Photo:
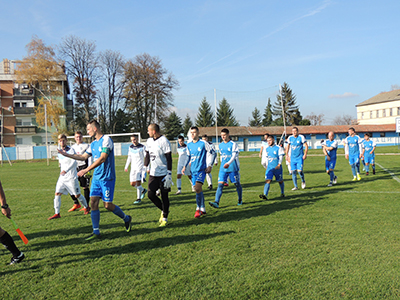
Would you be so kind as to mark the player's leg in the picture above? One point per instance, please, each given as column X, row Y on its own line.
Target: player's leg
column 165, row 204
column 8, row 243
column 209, row 180
column 235, row 179
column 300, row 166
column 179, row 183
column 366, row 166
column 222, row 177
column 279, row 177
column 372, row 162
column 154, row 185
column 198, row 180
column 293, row 166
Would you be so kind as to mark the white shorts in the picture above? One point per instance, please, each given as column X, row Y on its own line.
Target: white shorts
column 135, row 176
column 187, row 170
column 68, row 187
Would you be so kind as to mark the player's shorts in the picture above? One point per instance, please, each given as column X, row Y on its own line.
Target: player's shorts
column 354, row 159
column 179, row 170
column 269, row 174
column 330, row 164
column 234, row 177
column 103, row 189
column 135, row 176
column 369, row 160
column 155, row 183
column 296, row 164
column 68, row 187
column 198, row 177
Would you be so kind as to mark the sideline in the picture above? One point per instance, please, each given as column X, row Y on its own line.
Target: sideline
column 390, row 172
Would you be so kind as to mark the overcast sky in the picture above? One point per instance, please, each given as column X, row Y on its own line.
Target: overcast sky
column 333, row 54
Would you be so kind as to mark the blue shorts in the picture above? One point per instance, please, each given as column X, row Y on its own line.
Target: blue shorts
column 354, row 159
column 296, row 164
column 198, row 177
column 233, row 176
column 330, row 164
column 369, row 160
column 269, row 174
column 103, row 189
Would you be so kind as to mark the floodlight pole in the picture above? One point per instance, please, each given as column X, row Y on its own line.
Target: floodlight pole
column 216, row 120
column 45, row 126
column 155, row 109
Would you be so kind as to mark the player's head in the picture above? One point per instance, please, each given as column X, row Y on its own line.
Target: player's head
column 93, row 128
column 153, row 130
column 78, row 137
column 194, row 133
column 271, row 140
column 225, row 135
column 135, row 139
column 366, row 136
column 62, row 140
column 266, row 135
column 205, row 137
column 352, row 131
column 181, row 140
column 331, row 135
column 295, row 131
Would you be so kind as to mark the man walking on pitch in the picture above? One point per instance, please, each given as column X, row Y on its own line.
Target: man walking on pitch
column 80, row 147
column 201, row 157
column 262, row 154
column 158, row 155
column 5, row 238
column 368, row 153
column 103, row 182
column 182, row 152
column 329, row 147
column 298, row 148
column 208, row 175
column 68, row 181
column 229, row 152
column 353, row 152
column 274, row 154
column 136, row 159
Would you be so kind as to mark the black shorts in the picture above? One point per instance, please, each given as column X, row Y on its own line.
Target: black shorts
column 83, row 181
column 156, row 182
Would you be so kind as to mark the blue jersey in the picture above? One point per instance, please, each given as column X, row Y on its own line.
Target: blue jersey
column 296, row 146
column 353, row 145
column 229, row 155
column 368, row 146
column 200, row 155
column 274, row 155
column 334, row 145
column 106, row 171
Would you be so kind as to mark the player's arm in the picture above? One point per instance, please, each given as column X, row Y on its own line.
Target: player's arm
column 261, row 150
column 280, row 158
column 98, row 162
column 346, row 149
column 168, row 156
column 81, row 157
column 5, row 211
column 305, row 150
column 128, row 161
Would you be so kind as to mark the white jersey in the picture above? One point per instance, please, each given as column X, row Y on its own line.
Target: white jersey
column 81, row 149
column 157, row 150
column 68, row 165
column 136, row 156
column 183, row 156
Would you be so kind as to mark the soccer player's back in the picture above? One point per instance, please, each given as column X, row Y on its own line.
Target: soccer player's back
column 298, row 153
column 353, row 152
column 368, row 153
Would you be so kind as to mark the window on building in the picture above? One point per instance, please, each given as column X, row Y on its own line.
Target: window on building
column 383, row 134
column 18, row 122
column 370, row 114
column 398, row 111
column 391, row 112
column 19, row 141
column 17, row 104
column 383, row 112
column 362, row 116
column 23, row 104
column 377, row 113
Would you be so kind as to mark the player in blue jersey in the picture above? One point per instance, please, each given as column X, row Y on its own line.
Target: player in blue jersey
column 103, row 180
column 201, row 157
column 353, row 152
column 274, row 154
column 229, row 153
column 368, row 153
column 329, row 147
column 296, row 153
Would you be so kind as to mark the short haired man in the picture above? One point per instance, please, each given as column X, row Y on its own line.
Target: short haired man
column 5, row 237
column 80, row 147
column 208, row 175
column 353, row 152
column 182, row 152
column 298, row 147
column 329, row 147
column 264, row 146
column 368, row 153
column 274, row 154
column 103, row 181
column 229, row 153
column 136, row 154
column 201, row 157
column 68, row 180
column 158, row 155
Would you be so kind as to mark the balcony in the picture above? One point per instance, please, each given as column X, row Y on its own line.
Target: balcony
column 25, row 129
column 24, row 110
column 24, row 92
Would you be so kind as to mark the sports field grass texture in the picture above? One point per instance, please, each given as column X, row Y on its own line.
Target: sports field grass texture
column 340, row 242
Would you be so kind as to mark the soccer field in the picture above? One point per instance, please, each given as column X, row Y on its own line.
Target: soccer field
column 339, row 242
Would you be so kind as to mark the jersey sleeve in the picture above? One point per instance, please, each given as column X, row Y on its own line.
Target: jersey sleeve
column 334, row 145
column 210, row 154
column 303, row 139
column 107, row 145
column 166, row 146
column 89, row 152
column 128, row 161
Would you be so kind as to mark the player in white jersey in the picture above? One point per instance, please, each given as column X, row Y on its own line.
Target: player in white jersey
column 68, row 181
column 264, row 146
column 181, row 163
column 80, row 147
column 208, row 175
column 158, row 155
column 135, row 158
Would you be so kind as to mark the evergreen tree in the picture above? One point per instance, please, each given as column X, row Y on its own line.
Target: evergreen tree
column 267, row 117
column 290, row 107
column 205, row 117
column 225, row 114
column 256, row 120
column 187, row 123
column 173, row 126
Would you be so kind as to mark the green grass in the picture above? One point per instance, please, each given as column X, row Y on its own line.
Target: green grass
column 320, row 243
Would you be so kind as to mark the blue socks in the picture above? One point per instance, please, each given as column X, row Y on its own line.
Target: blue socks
column 282, row 185
column 266, row 189
column 218, row 194
column 200, row 200
column 239, row 190
column 353, row 169
column 331, row 175
column 294, row 177
column 95, row 216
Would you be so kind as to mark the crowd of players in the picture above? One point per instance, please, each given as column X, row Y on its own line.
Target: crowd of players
column 196, row 159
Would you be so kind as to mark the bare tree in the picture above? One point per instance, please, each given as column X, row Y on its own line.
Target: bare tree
column 316, row 120
column 395, row 87
column 81, row 62
column 343, row 120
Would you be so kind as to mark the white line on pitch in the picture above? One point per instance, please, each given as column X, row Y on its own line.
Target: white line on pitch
column 390, row 172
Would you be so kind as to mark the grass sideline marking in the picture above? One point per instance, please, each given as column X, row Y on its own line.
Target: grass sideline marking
column 390, row 172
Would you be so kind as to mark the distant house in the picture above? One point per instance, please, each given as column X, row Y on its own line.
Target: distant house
column 249, row 138
column 383, row 108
